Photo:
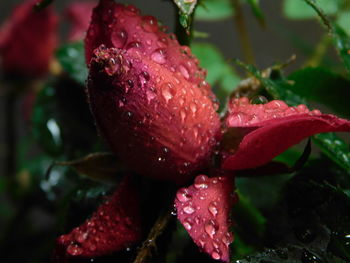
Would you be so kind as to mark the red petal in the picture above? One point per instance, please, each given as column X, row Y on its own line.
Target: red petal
column 274, row 127
column 79, row 13
column 203, row 209
column 114, row 226
column 120, row 26
column 28, row 39
column 159, row 123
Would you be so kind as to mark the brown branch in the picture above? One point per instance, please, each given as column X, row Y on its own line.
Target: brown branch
column 242, row 32
column 149, row 244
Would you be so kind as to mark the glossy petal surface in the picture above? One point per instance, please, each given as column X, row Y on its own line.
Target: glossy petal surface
column 159, row 123
column 114, row 226
column 270, row 129
column 203, row 209
column 27, row 40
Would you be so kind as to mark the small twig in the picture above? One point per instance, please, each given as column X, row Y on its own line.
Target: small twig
column 150, row 243
column 242, row 32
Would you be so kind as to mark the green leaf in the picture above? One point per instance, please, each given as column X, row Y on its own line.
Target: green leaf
column 298, row 9
column 335, row 148
column 72, row 58
column 254, row 5
column 214, row 10
column 186, row 9
column 342, row 45
column 97, row 166
column 322, row 86
column 343, row 20
column 220, row 72
column 45, row 127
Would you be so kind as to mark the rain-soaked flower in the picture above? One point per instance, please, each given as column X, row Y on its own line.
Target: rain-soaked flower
column 27, row 40
column 152, row 105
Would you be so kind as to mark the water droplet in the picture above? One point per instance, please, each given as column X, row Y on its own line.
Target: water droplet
column 150, row 94
column 193, row 107
column 162, row 42
column 132, row 10
column 149, row 24
column 80, row 237
column 158, row 56
column 216, row 254
column 119, row 38
column 183, row 115
column 308, row 257
column 210, row 228
column 167, row 90
column 227, row 239
column 132, row 45
column 201, row 182
column 213, row 208
column 74, row 250
column 197, row 220
column 182, row 195
column 259, row 100
column 184, row 71
column 189, row 210
column 187, row 225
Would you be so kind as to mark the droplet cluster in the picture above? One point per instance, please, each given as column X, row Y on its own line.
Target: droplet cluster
column 115, row 225
column 243, row 113
column 203, row 209
column 147, row 93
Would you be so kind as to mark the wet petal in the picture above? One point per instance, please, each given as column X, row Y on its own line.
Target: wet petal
column 114, row 226
column 27, row 40
column 272, row 128
column 203, row 209
column 162, row 125
column 121, row 26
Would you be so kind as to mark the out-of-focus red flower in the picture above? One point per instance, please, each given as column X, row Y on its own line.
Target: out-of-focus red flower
column 79, row 14
column 27, row 40
column 154, row 108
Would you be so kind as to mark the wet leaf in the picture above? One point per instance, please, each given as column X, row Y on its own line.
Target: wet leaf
column 186, row 9
column 322, row 86
column 335, row 148
column 221, row 74
column 45, row 127
column 72, row 58
column 97, row 166
column 214, row 10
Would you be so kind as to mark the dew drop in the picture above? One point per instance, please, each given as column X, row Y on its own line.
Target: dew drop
column 259, row 100
column 200, row 182
column 167, row 91
column 149, row 24
column 74, row 250
column 158, row 56
column 162, row 42
column 210, row 228
column 132, row 45
column 189, row 210
column 193, row 107
column 187, row 225
column 80, row 237
column 184, row 71
column 216, row 254
column 213, row 208
column 183, row 196
column 119, row 38
column 132, row 10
